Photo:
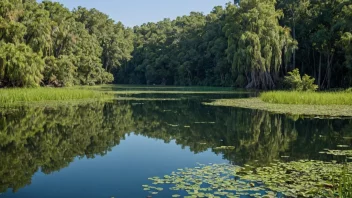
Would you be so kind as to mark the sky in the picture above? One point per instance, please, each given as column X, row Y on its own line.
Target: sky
column 137, row 12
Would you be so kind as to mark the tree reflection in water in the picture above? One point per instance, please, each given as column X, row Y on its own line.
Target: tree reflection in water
column 49, row 139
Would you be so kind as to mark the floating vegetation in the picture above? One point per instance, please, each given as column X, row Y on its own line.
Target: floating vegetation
column 343, row 146
column 292, row 179
column 128, row 98
column 301, row 178
column 285, row 156
column 337, row 152
column 218, row 180
column 187, row 126
column 224, row 148
column 204, row 122
column 151, row 189
column 173, row 125
column 304, row 110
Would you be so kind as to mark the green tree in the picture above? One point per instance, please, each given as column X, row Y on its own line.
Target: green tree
column 20, row 66
column 256, row 41
column 114, row 38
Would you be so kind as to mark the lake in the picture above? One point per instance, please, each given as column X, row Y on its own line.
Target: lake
column 110, row 149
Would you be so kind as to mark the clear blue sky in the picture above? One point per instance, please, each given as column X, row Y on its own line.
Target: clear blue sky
column 137, row 12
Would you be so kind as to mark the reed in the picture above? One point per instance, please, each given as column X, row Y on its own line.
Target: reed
column 17, row 95
column 345, row 185
column 310, row 98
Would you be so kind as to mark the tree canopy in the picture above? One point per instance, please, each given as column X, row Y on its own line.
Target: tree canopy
column 252, row 43
column 47, row 44
column 248, row 43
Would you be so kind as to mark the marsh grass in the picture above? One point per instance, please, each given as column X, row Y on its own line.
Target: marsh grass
column 20, row 95
column 325, row 111
column 309, row 98
column 345, row 185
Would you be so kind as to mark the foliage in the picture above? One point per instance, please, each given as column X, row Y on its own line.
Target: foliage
column 249, row 43
column 255, row 49
column 20, row 66
column 298, row 83
column 46, row 44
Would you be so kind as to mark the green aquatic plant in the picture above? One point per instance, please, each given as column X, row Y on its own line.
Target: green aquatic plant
column 347, row 153
column 303, row 110
column 215, row 180
column 302, row 178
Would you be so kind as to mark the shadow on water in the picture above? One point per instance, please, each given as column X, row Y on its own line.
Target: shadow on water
column 46, row 139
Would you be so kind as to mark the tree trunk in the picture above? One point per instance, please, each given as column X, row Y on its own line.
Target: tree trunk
column 319, row 75
column 330, row 58
column 294, row 51
column 314, row 66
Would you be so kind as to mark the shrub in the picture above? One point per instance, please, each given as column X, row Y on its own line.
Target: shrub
column 295, row 82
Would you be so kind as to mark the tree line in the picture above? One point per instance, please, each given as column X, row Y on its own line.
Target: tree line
column 47, row 44
column 248, row 43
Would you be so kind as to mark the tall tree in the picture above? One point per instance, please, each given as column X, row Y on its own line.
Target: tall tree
column 114, row 38
column 256, row 41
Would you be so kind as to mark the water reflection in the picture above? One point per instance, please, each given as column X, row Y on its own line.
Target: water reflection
column 48, row 139
column 36, row 139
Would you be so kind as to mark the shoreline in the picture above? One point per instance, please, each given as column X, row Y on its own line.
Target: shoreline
column 330, row 111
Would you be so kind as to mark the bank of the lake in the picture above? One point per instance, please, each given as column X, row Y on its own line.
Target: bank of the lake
column 308, row 98
column 313, row 110
column 15, row 96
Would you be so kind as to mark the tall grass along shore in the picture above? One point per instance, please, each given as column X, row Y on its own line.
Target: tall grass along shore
column 326, row 104
column 18, row 95
column 310, row 98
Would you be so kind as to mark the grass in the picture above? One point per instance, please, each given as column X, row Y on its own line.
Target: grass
column 289, row 109
column 308, row 98
column 21, row 95
column 324, row 104
column 345, row 185
column 15, row 96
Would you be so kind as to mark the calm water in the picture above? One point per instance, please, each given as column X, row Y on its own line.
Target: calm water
column 109, row 149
